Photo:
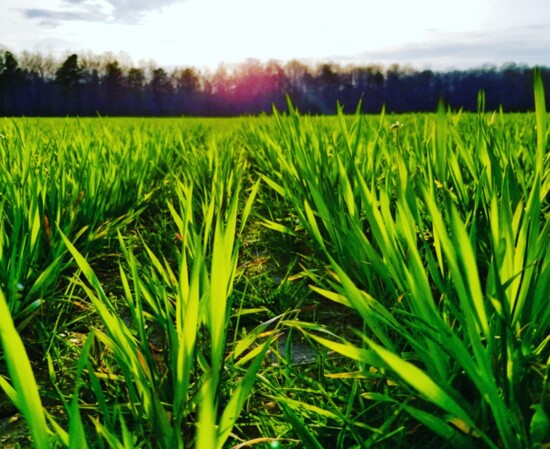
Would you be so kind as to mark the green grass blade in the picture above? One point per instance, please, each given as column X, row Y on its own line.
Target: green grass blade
column 307, row 438
column 421, row 382
column 540, row 113
column 240, row 395
column 77, row 435
column 22, row 377
column 206, row 425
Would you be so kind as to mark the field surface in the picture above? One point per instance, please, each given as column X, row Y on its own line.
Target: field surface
column 276, row 282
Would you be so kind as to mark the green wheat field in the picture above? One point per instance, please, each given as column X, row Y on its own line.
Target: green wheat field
column 284, row 281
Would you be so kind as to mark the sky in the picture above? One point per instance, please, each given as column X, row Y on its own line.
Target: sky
column 425, row 34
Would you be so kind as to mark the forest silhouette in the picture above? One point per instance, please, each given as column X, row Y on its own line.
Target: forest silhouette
column 37, row 85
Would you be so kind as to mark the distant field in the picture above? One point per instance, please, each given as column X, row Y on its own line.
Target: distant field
column 279, row 281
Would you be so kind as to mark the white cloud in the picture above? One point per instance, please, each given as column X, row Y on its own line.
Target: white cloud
column 132, row 10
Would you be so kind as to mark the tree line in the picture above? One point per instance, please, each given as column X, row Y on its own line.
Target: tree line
column 36, row 85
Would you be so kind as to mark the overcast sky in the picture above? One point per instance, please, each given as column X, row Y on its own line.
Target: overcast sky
column 436, row 34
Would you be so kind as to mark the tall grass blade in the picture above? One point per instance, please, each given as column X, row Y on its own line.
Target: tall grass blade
column 22, row 377
column 540, row 113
